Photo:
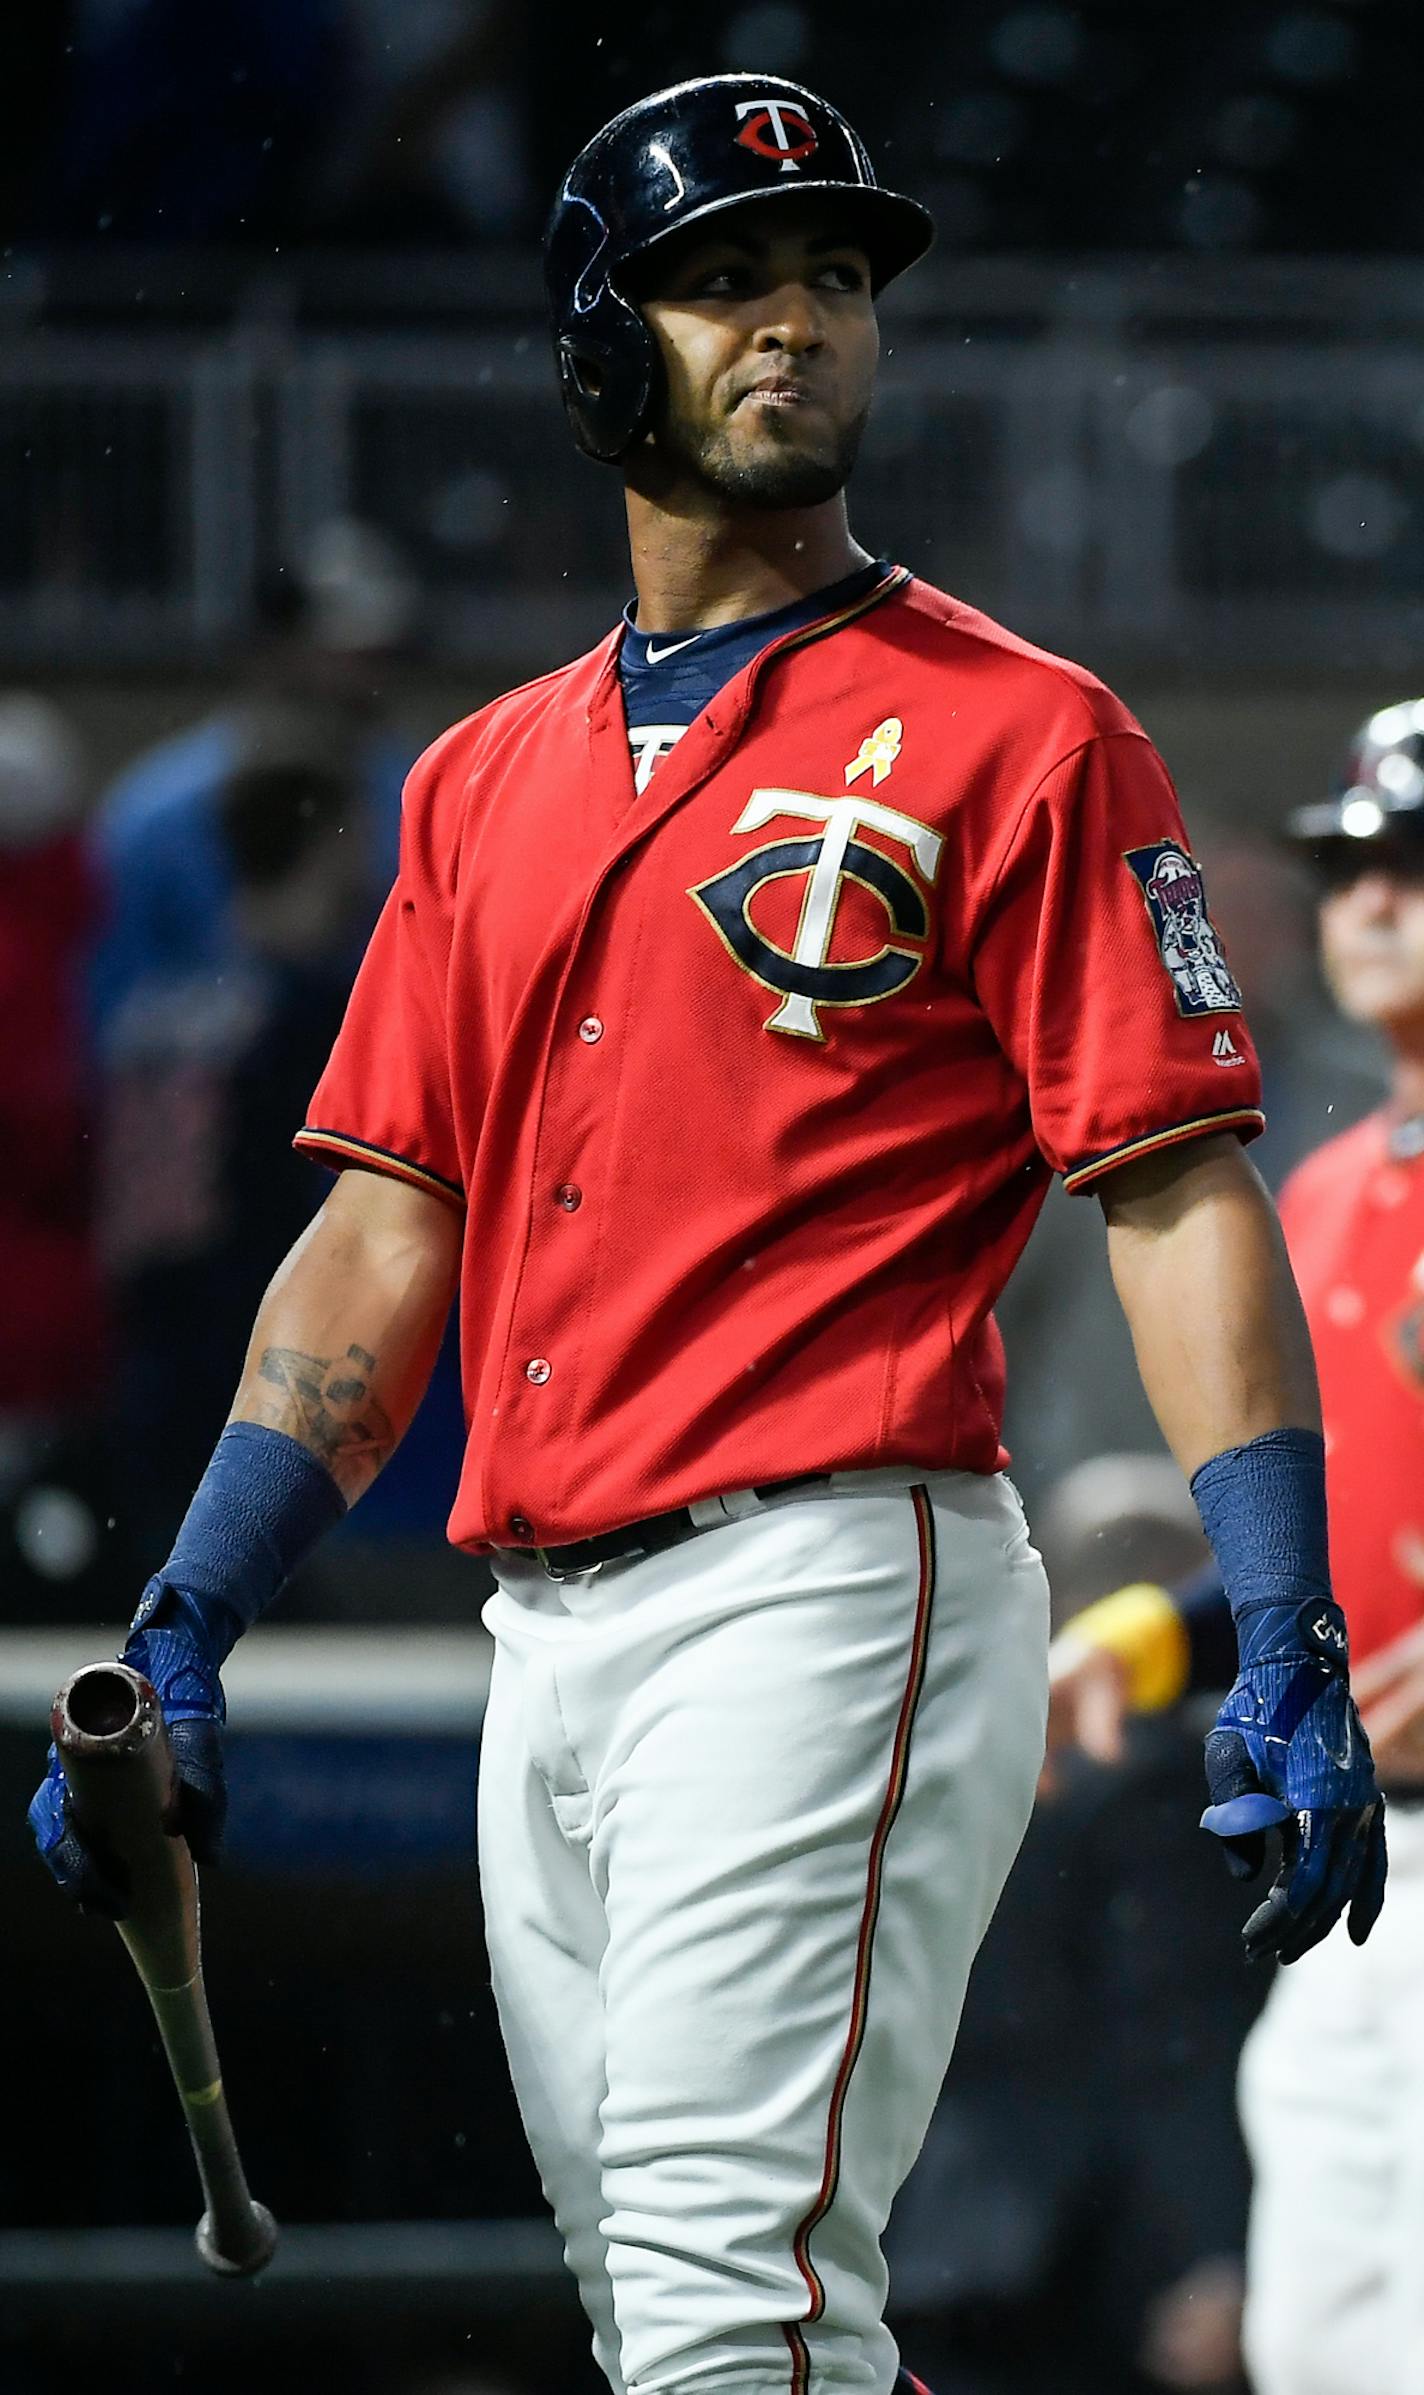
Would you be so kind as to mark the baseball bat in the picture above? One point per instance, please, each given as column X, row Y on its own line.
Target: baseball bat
column 110, row 1732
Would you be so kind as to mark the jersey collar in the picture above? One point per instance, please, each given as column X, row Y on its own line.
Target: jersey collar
column 653, row 649
column 606, row 695
column 703, row 745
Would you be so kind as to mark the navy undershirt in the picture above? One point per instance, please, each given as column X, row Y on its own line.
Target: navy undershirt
column 669, row 677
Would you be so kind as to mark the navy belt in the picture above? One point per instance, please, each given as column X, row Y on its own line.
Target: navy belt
column 653, row 1536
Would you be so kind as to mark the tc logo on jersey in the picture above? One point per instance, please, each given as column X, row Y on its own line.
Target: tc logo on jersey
column 805, row 975
column 1171, row 885
column 777, row 129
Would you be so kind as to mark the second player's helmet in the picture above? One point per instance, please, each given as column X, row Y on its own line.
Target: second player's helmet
column 1378, row 806
column 670, row 160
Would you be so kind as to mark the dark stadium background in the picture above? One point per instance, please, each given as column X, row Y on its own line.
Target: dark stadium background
column 279, row 439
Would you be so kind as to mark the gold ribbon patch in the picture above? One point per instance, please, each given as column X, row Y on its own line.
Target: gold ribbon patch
column 877, row 752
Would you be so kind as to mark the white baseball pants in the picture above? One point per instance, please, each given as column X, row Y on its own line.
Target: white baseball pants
column 745, row 1811
column 1332, row 2101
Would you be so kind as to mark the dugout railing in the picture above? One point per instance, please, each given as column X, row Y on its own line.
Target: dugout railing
column 1218, row 465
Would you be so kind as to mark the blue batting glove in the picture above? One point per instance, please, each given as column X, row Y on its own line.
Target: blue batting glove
column 259, row 1508
column 1289, row 1752
column 93, row 1882
column 171, row 1643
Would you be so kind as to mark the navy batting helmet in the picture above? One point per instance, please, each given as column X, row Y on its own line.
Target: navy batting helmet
column 669, row 161
column 1377, row 811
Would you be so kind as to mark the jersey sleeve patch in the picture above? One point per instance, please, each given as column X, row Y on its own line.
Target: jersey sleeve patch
column 1187, row 942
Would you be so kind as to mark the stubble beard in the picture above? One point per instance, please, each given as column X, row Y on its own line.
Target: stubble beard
column 774, row 472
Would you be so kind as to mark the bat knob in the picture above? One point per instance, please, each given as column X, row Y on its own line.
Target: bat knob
column 253, row 2252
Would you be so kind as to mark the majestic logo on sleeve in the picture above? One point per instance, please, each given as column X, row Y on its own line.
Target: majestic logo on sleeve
column 807, row 976
column 1171, row 886
column 777, row 129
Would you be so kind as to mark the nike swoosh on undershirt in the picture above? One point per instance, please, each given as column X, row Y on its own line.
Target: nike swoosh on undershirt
column 656, row 656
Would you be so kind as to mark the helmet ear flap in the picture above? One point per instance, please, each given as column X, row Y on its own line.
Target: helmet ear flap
column 609, row 374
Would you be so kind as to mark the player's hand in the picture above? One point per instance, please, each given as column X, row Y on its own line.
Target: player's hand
column 1192, row 2329
column 1089, row 1697
column 169, row 1644
column 1289, row 1752
column 1389, row 1690
column 1125, row 1653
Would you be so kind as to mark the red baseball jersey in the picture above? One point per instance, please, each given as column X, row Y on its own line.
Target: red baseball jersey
column 752, row 1081
column 1354, row 1222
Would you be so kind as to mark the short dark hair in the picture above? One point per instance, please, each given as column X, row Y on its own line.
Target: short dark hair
column 272, row 812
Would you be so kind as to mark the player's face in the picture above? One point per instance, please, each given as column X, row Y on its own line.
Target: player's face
column 769, row 342
column 1372, row 943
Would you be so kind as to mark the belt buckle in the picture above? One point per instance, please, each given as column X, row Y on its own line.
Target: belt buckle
column 551, row 1571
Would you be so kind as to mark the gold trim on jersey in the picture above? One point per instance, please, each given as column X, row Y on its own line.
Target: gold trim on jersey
column 363, row 1151
column 896, row 579
column 1197, row 1128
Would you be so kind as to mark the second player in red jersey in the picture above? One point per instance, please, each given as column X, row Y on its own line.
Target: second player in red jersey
column 1353, row 1216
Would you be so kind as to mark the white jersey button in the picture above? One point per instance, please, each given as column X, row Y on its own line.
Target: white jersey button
column 590, row 1030
column 538, row 1369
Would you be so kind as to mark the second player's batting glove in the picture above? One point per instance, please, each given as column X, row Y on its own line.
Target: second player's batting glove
column 1289, row 1752
column 171, row 1644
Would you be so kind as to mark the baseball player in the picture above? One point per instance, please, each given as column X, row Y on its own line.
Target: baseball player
column 1332, row 2083
column 743, row 984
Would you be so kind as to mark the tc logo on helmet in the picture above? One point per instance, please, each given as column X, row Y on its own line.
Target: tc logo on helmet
column 777, row 129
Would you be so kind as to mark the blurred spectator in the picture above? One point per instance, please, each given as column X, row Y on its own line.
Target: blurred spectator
column 237, row 909
column 328, row 631
column 207, row 1074
column 1075, row 2221
column 52, row 1331
column 206, row 1080
column 1112, row 1520
column 50, row 1342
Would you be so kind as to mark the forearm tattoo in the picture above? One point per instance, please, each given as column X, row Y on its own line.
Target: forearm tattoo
column 326, row 1403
